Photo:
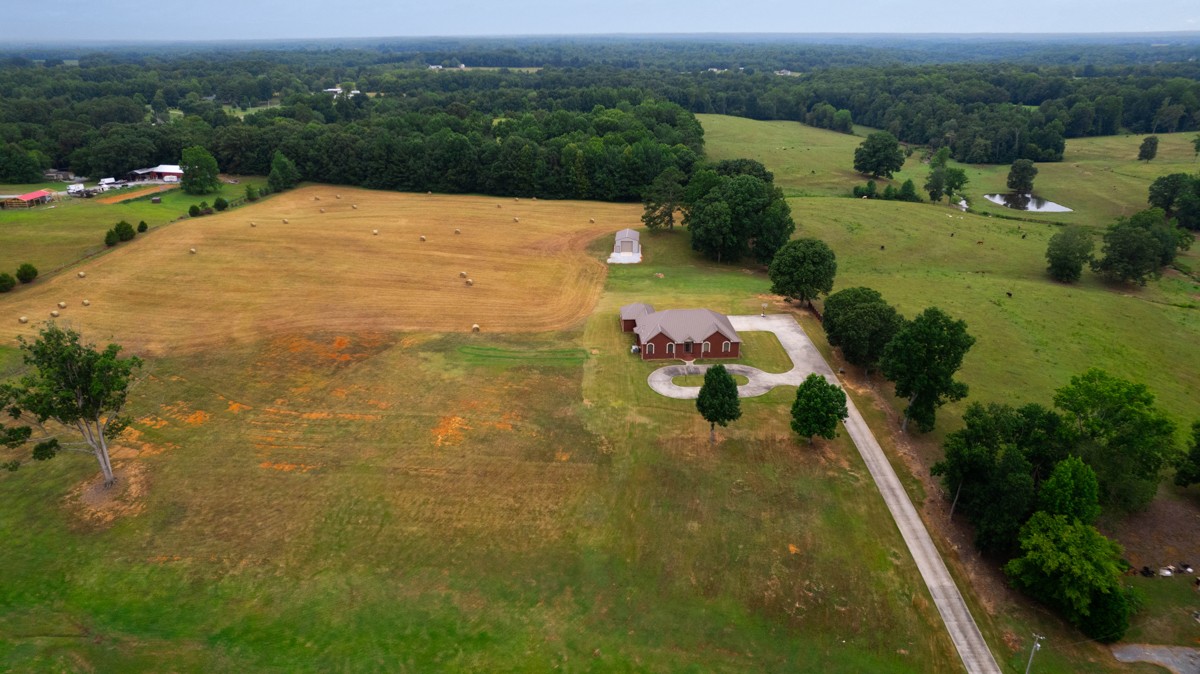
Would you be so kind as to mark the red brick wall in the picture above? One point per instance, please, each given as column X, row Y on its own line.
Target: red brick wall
column 716, row 340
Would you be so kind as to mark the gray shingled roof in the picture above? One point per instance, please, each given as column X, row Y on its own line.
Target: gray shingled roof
column 632, row 311
column 628, row 234
column 680, row 325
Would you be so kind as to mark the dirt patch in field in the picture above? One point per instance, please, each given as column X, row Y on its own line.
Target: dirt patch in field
column 449, row 431
column 328, row 273
column 126, row 196
column 97, row 505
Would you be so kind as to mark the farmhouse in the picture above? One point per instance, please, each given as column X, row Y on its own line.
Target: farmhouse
column 29, row 200
column 685, row 334
column 627, row 249
column 164, row 172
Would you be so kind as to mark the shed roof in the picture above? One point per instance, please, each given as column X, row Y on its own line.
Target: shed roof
column 681, row 325
column 635, row 310
column 167, row 168
column 628, row 234
column 39, row 194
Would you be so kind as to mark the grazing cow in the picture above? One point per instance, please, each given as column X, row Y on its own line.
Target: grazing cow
column 1009, row 294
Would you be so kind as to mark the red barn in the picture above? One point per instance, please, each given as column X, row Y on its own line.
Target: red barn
column 684, row 334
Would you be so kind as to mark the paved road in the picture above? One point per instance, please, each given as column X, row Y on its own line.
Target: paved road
column 965, row 634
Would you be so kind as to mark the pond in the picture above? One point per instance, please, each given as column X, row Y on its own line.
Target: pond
column 1026, row 202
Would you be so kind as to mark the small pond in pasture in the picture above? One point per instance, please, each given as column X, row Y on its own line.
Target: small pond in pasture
column 1026, row 202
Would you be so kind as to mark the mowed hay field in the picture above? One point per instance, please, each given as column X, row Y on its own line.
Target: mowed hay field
column 329, row 272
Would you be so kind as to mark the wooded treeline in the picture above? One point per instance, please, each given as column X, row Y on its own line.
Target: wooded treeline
column 600, row 127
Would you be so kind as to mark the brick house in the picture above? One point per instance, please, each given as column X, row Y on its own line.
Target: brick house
column 680, row 334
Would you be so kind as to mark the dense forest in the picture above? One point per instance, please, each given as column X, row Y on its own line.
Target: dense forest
column 594, row 118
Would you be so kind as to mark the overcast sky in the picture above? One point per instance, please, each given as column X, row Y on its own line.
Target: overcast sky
column 35, row 20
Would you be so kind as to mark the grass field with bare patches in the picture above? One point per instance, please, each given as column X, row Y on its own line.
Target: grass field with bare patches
column 330, row 271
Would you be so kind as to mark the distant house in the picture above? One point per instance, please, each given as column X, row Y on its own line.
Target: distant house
column 30, row 199
column 164, row 172
column 627, row 249
column 683, row 334
column 58, row 174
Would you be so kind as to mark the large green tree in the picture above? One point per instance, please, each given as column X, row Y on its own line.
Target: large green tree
column 860, row 323
column 1121, row 434
column 1021, row 175
column 77, row 387
column 663, row 199
column 1071, row 490
column 879, row 155
column 718, row 402
column 732, row 216
column 200, row 172
column 1137, row 247
column 1188, row 471
column 1148, row 149
column 284, row 174
column 1072, row 567
column 818, row 408
column 1069, row 249
column 803, row 269
column 922, row 359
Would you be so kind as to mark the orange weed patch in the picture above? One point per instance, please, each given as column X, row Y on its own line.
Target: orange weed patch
column 560, row 455
column 506, row 422
column 237, row 407
column 793, row 549
column 152, row 421
column 289, row 467
column 196, row 418
column 449, row 431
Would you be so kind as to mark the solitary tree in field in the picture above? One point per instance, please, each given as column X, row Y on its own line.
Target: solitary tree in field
column 77, row 387
column 718, row 402
column 922, row 359
column 199, row 171
column 1149, row 148
column 803, row 269
column 879, row 155
column 1021, row 175
column 818, row 408
column 1067, row 252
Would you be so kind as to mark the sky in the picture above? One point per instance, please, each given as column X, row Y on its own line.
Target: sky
column 106, row 20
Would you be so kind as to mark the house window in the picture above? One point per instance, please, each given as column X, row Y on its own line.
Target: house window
column 670, row 348
column 705, row 347
column 725, row 348
column 649, row 349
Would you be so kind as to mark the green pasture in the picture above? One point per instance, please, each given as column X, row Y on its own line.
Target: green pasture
column 56, row 236
column 698, row 380
column 1100, row 179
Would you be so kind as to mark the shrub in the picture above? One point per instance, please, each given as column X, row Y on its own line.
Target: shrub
column 194, row 211
column 220, row 204
column 110, row 238
column 26, row 273
column 142, row 226
column 251, row 193
column 124, row 231
column 7, row 282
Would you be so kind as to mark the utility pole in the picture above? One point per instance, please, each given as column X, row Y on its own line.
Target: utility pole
column 1037, row 646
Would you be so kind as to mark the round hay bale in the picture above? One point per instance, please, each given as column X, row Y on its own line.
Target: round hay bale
column 82, row 274
column 499, row 206
column 422, row 238
column 54, row 314
column 254, row 224
column 285, row 221
column 322, row 210
column 462, row 274
column 192, row 251
column 430, row 192
column 516, row 198
column 338, row 196
column 316, row 198
column 592, row 220
column 23, row 319
column 87, row 303
column 535, row 198
column 470, row 282
column 354, row 206
column 62, row 305
column 516, row 219
column 475, row 327
column 457, row 231
column 375, row 232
